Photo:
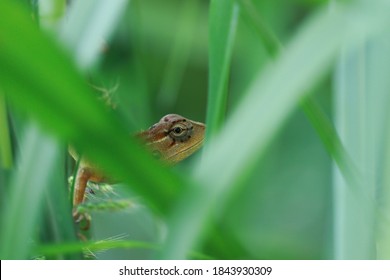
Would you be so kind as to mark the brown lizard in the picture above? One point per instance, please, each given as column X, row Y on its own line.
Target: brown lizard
column 172, row 139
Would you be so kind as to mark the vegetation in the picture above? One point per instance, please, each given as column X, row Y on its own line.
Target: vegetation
column 294, row 95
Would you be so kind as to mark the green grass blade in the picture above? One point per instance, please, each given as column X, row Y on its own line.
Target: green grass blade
column 361, row 107
column 270, row 41
column 327, row 133
column 383, row 225
column 351, row 123
column 38, row 159
column 5, row 142
column 58, row 225
column 85, row 29
column 222, row 28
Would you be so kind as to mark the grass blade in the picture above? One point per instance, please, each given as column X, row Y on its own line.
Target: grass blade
column 383, row 226
column 5, row 142
column 39, row 158
column 86, row 27
column 270, row 41
column 223, row 22
column 361, row 116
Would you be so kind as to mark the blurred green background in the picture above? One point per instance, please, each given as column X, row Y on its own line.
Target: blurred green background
column 275, row 180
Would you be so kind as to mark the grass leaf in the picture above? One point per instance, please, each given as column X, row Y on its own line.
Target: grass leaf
column 22, row 212
column 361, row 101
column 5, row 139
column 223, row 23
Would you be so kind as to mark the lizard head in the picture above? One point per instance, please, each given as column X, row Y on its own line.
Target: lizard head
column 174, row 138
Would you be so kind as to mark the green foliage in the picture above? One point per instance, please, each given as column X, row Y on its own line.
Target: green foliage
column 263, row 186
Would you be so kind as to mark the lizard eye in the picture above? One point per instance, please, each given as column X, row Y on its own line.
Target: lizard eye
column 180, row 132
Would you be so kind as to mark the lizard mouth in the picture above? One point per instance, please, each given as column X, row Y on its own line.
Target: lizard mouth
column 184, row 153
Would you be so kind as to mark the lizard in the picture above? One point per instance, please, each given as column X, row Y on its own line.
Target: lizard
column 172, row 139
